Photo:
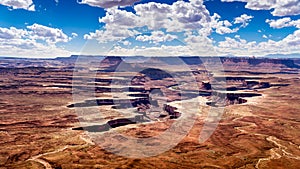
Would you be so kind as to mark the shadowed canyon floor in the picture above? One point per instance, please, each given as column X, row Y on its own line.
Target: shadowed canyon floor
column 40, row 128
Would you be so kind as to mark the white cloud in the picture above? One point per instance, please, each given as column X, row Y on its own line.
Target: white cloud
column 126, row 43
column 281, row 7
column 177, row 17
column 104, row 36
column 32, row 49
column 295, row 23
column 286, row 7
column 280, row 23
column 115, row 17
column 35, row 41
column 199, row 45
column 192, row 20
column 107, row 3
column 283, row 22
column 119, row 26
column 293, row 40
column 19, row 4
column 50, row 35
column 241, row 47
column 156, row 37
column 225, row 30
column 243, row 19
column 74, row 35
column 222, row 27
column 12, row 33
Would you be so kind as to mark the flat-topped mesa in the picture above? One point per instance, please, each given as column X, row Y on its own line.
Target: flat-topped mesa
column 259, row 62
column 114, row 64
column 111, row 61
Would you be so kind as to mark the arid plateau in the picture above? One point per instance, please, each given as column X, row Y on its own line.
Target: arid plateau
column 41, row 127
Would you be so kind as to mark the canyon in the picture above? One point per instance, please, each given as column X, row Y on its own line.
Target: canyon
column 42, row 125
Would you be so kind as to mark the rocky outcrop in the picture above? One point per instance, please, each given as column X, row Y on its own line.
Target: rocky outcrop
column 206, row 85
column 172, row 111
column 225, row 99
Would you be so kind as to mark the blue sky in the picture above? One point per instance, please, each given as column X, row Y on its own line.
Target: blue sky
column 51, row 28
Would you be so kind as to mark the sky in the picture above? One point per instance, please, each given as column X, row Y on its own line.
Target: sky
column 58, row 28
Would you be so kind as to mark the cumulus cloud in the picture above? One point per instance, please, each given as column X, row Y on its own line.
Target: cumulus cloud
column 34, row 41
column 159, row 22
column 198, row 45
column 107, row 3
column 293, row 40
column 12, row 33
column 241, row 47
column 19, row 4
column 243, row 19
column 119, row 26
column 50, row 35
column 280, row 7
column 177, row 17
column 104, row 36
column 222, row 27
column 156, row 37
column 194, row 21
column 116, row 18
column 283, row 22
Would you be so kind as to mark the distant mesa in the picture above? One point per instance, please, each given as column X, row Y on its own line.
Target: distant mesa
column 115, row 64
column 112, row 60
column 155, row 74
column 257, row 61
